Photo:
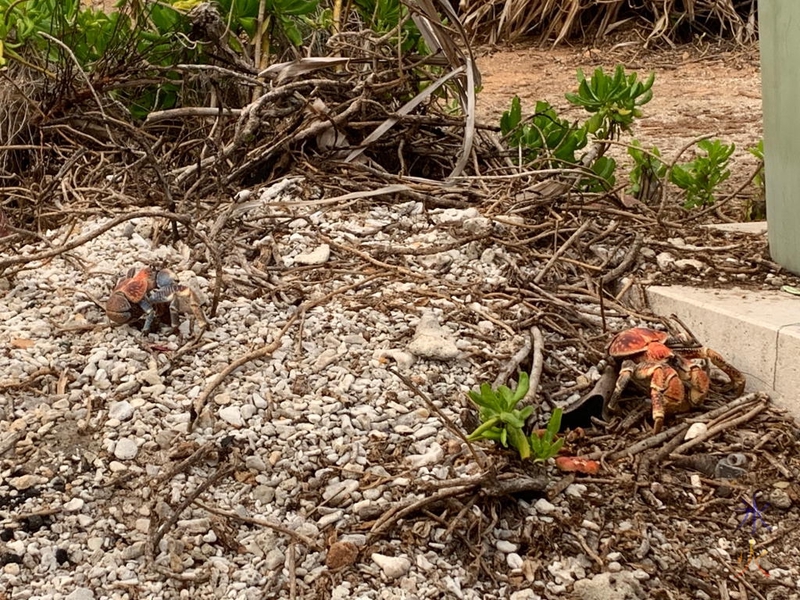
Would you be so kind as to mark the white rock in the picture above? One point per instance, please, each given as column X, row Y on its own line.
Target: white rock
column 24, row 482
column 255, row 462
column 74, row 505
column 317, row 256
column 527, row 594
column 686, row 264
column 232, row 415
column 150, row 377
column 274, row 559
column 81, row 593
column 126, row 449
column 431, row 340
column 506, row 546
column 122, row 410
column 514, row 560
column 665, row 260
column 695, row 430
column 433, row 455
column 544, row 507
column 339, row 492
column 392, row 566
column 94, row 543
column 404, row 360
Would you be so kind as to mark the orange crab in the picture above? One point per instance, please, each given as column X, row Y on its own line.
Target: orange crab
column 151, row 294
column 675, row 371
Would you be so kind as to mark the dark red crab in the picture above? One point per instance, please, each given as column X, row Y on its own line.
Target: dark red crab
column 675, row 372
column 152, row 295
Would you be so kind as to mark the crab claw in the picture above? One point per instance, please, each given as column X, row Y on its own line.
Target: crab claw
column 118, row 309
column 738, row 380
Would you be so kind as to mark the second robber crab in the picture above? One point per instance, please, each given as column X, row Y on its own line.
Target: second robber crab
column 151, row 295
column 674, row 369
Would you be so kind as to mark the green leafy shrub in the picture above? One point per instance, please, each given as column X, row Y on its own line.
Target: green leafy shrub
column 501, row 421
column 542, row 135
column 545, row 445
column 648, row 172
column 701, row 177
column 615, row 101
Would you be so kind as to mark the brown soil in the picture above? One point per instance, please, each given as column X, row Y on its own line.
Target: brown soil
column 698, row 91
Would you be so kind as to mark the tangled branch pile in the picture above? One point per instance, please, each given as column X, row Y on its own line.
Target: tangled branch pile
column 557, row 20
column 167, row 108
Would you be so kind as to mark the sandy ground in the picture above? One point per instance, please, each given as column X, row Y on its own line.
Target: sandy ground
column 698, row 91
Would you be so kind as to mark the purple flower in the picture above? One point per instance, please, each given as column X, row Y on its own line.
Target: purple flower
column 751, row 513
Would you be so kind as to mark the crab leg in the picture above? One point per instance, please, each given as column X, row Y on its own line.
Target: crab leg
column 737, row 379
column 664, row 382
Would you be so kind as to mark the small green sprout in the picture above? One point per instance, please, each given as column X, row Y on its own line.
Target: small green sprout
column 501, row 421
column 545, row 445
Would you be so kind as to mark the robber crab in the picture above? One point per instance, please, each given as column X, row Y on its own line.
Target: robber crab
column 675, row 370
column 151, row 294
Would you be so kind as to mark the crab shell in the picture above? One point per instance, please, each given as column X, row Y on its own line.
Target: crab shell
column 123, row 303
column 650, row 344
column 129, row 300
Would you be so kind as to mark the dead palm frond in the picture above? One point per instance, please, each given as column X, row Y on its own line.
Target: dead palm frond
column 556, row 20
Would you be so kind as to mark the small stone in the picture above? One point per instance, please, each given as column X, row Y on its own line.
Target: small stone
column 614, row 567
column 433, row 341
column 434, row 455
column 94, row 543
column 142, row 525
column 339, row 492
column 687, row 264
column 575, row 490
column 122, row 411
column 544, row 507
column 232, row 415
column 24, row 482
column 85, row 520
column 81, row 593
column 134, row 551
column 514, row 560
column 11, row 569
column 150, row 377
column 317, row 256
column 779, row 498
column 74, row 505
column 340, row 555
column 665, row 260
column 274, row 559
column 613, row 586
column 405, row 360
column 126, row 449
column 264, row 494
column 526, row 594
column 695, row 430
column 392, row 566
column 505, row 546
column 255, row 463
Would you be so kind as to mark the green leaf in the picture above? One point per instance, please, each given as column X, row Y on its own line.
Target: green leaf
column 520, row 442
column 554, row 424
column 525, row 413
column 523, row 383
column 483, row 428
column 512, row 419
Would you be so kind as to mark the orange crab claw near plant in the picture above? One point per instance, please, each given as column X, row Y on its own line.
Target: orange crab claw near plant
column 576, row 464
